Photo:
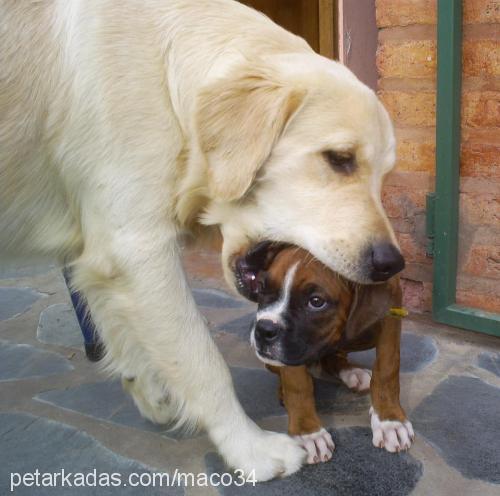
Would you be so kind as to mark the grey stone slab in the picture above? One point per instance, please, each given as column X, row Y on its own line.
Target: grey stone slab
column 461, row 418
column 58, row 325
column 15, row 301
column 356, row 469
column 29, row 444
column 257, row 391
column 21, row 361
column 489, row 362
column 107, row 401
column 17, row 270
column 416, row 353
column 215, row 298
column 239, row 327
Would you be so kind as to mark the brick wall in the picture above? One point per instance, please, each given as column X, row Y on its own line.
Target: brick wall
column 406, row 62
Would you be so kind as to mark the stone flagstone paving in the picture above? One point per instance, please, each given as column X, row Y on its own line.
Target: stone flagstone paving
column 58, row 411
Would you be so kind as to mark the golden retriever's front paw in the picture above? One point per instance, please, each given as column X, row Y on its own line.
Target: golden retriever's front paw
column 319, row 446
column 265, row 455
column 392, row 435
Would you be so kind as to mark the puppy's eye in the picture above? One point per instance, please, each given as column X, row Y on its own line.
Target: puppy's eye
column 316, row 302
column 342, row 162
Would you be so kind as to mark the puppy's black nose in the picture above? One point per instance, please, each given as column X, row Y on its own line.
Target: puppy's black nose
column 386, row 260
column 266, row 331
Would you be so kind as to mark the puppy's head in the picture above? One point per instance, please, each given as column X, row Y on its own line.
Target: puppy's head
column 304, row 309
column 295, row 149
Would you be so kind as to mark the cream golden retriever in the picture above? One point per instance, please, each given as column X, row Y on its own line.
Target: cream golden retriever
column 125, row 123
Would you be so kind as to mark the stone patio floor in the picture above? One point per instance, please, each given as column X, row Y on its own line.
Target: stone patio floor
column 57, row 410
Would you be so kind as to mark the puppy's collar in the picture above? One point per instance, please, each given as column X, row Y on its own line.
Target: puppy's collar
column 398, row 312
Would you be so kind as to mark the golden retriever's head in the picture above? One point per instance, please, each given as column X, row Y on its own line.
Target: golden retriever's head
column 296, row 149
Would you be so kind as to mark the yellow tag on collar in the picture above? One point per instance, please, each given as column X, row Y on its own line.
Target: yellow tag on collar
column 398, row 312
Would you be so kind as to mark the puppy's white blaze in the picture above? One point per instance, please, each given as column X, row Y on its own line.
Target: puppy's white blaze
column 275, row 311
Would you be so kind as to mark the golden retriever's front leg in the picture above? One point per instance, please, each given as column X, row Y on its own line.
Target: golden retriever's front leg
column 157, row 340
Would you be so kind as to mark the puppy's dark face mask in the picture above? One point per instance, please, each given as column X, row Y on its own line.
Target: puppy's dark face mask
column 305, row 309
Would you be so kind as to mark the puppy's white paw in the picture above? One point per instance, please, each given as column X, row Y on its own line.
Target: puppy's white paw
column 392, row 435
column 356, row 379
column 319, row 446
column 264, row 455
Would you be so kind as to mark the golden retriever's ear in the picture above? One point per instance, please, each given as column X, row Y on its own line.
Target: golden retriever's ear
column 370, row 304
column 239, row 119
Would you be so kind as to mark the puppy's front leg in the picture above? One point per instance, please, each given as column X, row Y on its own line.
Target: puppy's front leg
column 391, row 429
column 155, row 337
column 303, row 422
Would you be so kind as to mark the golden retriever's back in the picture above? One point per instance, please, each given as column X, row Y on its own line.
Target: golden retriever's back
column 78, row 75
column 33, row 208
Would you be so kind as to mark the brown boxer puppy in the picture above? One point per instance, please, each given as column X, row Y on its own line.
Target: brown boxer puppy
column 308, row 319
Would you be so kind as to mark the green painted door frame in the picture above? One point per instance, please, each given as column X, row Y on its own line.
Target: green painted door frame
column 443, row 205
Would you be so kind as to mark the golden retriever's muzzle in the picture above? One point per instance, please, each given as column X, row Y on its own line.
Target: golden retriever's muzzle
column 380, row 262
column 384, row 260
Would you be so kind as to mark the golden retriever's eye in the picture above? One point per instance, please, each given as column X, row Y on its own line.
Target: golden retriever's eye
column 342, row 162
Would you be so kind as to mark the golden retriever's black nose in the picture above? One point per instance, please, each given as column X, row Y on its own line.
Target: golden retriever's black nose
column 386, row 261
column 266, row 331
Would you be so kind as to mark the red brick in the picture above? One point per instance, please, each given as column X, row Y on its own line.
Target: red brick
column 488, row 302
column 403, row 202
column 405, row 12
column 412, row 250
column 417, row 295
column 480, row 209
column 483, row 261
column 481, row 11
column 416, row 156
column 412, row 108
column 480, row 160
column 481, row 109
column 418, row 271
column 411, row 59
column 481, row 58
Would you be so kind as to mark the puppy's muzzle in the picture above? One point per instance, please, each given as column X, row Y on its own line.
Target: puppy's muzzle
column 266, row 332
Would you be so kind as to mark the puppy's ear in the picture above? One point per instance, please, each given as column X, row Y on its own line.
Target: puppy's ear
column 370, row 304
column 239, row 119
column 251, row 265
column 261, row 255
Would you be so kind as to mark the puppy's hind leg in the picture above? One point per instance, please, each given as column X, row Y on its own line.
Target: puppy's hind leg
column 356, row 378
